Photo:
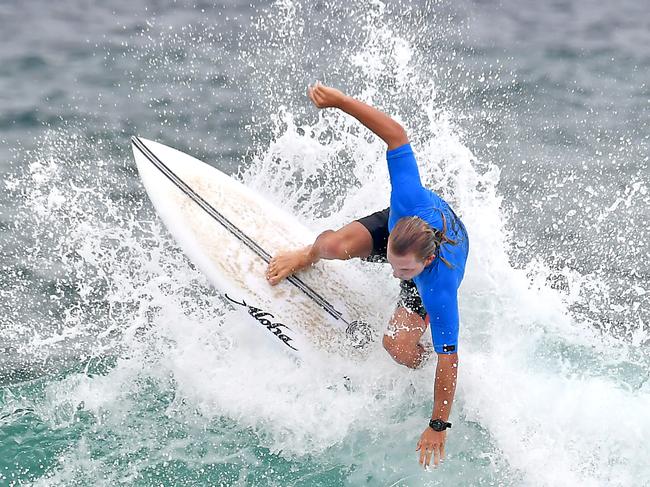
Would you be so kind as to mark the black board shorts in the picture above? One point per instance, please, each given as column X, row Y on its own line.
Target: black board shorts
column 377, row 225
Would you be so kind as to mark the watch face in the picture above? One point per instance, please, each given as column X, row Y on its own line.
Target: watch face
column 437, row 424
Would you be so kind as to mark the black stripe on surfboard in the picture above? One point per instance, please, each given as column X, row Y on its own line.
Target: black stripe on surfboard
column 232, row 228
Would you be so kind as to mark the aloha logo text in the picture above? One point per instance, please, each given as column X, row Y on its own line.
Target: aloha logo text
column 263, row 318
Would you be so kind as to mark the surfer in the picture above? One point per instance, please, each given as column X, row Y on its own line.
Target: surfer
column 426, row 245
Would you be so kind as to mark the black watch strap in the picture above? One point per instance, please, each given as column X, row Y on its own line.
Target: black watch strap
column 439, row 425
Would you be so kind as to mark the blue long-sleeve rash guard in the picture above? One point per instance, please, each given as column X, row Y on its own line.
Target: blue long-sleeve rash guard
column 437, row 283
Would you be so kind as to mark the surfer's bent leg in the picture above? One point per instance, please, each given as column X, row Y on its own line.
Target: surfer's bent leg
column 406, row 327
column 352, row 240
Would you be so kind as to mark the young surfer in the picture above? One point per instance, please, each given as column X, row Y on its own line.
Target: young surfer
column 427, row 246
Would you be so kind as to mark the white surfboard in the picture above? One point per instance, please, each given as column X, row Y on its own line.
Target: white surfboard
column 229, row 232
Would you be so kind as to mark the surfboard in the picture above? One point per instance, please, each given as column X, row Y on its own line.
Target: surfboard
column 230, row 233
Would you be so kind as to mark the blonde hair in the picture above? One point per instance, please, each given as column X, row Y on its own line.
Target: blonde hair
column 412, row 235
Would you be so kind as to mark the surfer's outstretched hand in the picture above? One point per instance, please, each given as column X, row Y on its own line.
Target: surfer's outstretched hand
column 431, row 443
column 325, row 97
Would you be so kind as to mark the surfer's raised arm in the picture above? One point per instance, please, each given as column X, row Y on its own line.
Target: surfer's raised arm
column 407, row 192
column 381, row 124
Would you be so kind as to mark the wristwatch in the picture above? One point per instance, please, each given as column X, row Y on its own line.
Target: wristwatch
column 439, row 425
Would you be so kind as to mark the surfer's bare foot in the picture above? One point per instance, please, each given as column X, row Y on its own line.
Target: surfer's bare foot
column 287, row 263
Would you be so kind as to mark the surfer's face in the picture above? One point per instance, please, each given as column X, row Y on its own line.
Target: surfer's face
column 407, row 266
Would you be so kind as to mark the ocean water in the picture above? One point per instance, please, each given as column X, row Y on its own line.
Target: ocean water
column 118, row 363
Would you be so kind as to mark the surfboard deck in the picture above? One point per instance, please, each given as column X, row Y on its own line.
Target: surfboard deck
column 230, row 232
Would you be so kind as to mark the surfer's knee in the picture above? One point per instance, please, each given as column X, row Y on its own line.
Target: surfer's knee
column 389, row 343
column 403, row 352
column 394, row 345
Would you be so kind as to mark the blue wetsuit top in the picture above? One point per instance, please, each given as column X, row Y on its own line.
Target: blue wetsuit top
column 437, row 283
